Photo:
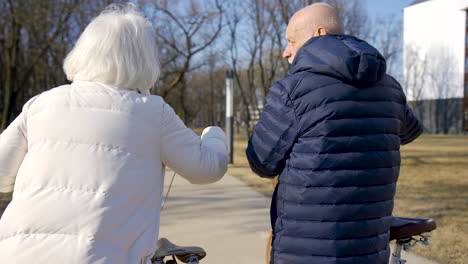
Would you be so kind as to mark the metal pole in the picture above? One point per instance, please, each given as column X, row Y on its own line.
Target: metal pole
column 396, row 256
column 229, row 114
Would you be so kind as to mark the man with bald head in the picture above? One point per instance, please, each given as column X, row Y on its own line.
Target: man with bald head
column 315, row 20
column 332, row 131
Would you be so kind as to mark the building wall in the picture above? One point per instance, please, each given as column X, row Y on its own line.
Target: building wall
column 440, row 116
column 465, row 99
column 434, row 49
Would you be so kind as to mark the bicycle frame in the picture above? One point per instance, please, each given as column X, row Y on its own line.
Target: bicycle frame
column 406, row 244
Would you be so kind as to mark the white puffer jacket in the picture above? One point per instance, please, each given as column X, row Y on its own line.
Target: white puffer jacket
column 86, row 162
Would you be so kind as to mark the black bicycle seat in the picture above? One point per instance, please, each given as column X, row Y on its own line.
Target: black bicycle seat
column 408, row 227
column 166, row 248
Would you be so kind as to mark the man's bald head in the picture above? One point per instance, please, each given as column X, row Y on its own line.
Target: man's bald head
column 315, row 20
column 319, row 15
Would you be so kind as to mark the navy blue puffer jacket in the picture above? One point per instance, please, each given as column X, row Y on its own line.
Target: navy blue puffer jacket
column 332, row 130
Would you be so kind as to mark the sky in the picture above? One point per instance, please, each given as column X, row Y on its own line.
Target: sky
column 386, row 7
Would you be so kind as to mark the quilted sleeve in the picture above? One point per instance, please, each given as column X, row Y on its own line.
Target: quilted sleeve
column 411, row 127
column 198, row 159
column 13, row 148
column 274, row 135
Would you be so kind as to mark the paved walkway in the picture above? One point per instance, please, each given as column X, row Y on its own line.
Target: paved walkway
column 228, row 219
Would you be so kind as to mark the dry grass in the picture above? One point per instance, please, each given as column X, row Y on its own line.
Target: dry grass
column 433, row 183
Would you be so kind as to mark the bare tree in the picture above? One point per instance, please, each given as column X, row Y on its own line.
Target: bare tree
column 354, row 17
column 386, row 36
column 233, row 24
column 206, row 88
column 37, row 35
column 184, row 29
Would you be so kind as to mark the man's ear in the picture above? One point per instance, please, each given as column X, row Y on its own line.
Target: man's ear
column 320, row 32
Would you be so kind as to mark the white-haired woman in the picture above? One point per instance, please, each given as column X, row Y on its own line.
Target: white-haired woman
column 85, row 161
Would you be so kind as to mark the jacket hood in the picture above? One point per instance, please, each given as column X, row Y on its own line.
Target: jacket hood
column 344, row 57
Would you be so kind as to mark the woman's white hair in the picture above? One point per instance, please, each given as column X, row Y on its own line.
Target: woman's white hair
column 119, row 48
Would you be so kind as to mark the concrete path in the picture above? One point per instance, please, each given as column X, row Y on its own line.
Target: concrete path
column 228, row 219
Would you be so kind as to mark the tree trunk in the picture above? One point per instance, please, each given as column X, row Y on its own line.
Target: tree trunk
column 10, row 76
column 7, row 99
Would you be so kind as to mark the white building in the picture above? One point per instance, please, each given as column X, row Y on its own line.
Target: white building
column 434, row 57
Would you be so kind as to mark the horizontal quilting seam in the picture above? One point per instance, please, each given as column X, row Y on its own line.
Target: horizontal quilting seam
column 111, row 147
column 334, row 257
column 339, row 101
column 63, row 188
column 411, row 137
column 269, row 150
column 317, row 88
column 337, row 204
column 335, row 221
column 343, row 169
column 271, row 116
column 119, row 111
column 362, row 117
column 349, row 135
column 281, row 138
column 297, row 84
column 325, row 134
column 92, row 191
column 333, row 134
column 414, row 129
column 348, row 152
column 128, row 113
column 333, row 204
column 337, row 186
column 108, row 146
column 288, row 94
column 367, row 101
column 339, row 239
column 42, row 233
column 405, row 137
column 68, row 107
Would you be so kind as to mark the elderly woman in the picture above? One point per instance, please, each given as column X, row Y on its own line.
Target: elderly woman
column 86, row 161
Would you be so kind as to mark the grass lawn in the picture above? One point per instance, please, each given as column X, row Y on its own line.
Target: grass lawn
column 433, row 183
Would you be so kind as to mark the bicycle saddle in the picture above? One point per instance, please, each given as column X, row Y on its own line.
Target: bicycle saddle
column 408, row 227
column 164, row 248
